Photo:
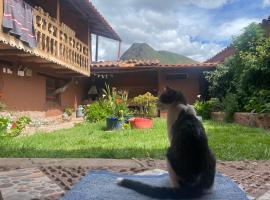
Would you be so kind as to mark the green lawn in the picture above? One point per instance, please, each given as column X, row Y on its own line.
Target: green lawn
column 228, row 141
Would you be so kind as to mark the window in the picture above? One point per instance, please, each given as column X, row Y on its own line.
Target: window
column 179, row 76
column 53, row 84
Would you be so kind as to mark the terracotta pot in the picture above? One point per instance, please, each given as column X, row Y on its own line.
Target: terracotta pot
column 141, row 123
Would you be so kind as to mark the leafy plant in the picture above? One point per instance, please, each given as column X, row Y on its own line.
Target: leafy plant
column 4, row 122
column 147, row 105
column 116, row 102
column 230, row 106
column 126, row 126
column 68, row 111
column 18, row 126
column 13, row 128
column 205, row 108
column 95, row 112
column 259, row 102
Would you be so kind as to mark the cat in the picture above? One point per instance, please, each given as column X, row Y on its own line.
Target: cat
column 190, row 162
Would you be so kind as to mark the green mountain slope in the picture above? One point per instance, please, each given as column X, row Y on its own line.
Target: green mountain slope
column 142, row 51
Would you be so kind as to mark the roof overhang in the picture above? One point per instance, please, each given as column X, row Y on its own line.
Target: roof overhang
column 130, row 67
column 98, row 25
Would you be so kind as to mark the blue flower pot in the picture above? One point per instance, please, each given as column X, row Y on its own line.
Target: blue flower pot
column 114, row 123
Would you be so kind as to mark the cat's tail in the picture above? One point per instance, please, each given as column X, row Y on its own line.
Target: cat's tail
column 159, row 192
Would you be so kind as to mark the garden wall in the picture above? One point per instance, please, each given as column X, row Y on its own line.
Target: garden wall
column 248, row 119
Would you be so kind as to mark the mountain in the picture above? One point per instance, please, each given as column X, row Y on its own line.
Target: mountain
column 142, row 51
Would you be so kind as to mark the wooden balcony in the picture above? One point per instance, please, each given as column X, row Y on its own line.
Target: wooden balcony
column 57, row 47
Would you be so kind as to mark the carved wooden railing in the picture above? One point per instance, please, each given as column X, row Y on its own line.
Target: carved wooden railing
column 58, row 40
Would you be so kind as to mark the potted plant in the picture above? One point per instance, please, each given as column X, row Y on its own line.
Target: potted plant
column 147, row 110
column 116, row 104
column 67, row 114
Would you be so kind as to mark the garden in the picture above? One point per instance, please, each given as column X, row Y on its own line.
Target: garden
column 116, row 126
column 242, row 82
column 110, row 130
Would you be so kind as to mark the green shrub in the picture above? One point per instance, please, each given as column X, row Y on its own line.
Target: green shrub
column 230, row 106
column 259, row 102
column 4, row 122
column 95, row 112
column 205, row 108
column 216, row 105
column 68, row 111
column 18, row 126
column 114, row 103
column 147, row 105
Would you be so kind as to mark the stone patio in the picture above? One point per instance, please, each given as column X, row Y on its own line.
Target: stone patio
column 29, row 183
column 251, row 176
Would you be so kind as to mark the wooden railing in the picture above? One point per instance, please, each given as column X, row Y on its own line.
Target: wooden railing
column 58, row 40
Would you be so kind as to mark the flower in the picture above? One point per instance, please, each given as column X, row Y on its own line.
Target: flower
column 119, row 101
column 14, row 125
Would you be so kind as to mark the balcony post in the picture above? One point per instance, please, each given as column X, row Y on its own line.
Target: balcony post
column 58, row 16
column 96, row 48
column 1, row 14
column 119, row 50
column 58, row 11
column 89, row 46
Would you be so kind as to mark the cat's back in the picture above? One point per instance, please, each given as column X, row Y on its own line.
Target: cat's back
column 189, row 125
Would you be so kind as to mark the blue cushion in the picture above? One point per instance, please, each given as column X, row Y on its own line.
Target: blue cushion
column 101, row 185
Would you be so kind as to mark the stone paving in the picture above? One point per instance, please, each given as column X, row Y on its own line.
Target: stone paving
column 252, row 176
column 27, row 184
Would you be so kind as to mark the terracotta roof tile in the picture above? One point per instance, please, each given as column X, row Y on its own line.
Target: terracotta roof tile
column 146, row 64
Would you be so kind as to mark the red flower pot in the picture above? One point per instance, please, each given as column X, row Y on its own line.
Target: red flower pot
column 141, row 123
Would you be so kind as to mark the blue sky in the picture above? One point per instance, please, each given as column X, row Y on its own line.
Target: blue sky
column 195, row 28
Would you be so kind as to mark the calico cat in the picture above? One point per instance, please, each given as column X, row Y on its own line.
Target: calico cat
column 190, row 162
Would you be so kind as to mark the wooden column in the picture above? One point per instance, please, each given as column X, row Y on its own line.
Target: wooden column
column 1, row 14
column 58, row 15
column 96, row 48
column 119, row 51
column 89, row 46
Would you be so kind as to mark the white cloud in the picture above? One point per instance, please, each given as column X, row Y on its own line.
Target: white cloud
column 170, row 26
column 209, row 4
column 233, row 28
column 266, row 3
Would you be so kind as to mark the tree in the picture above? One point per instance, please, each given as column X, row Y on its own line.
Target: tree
column 247, row 72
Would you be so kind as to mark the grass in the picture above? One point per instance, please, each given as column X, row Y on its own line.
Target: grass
column 228, row 141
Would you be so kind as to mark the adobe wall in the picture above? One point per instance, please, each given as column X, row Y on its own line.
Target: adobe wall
column 136, row 83
column 29, row 93
column 75, row 92
column 23, row 93
column 189, row 87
